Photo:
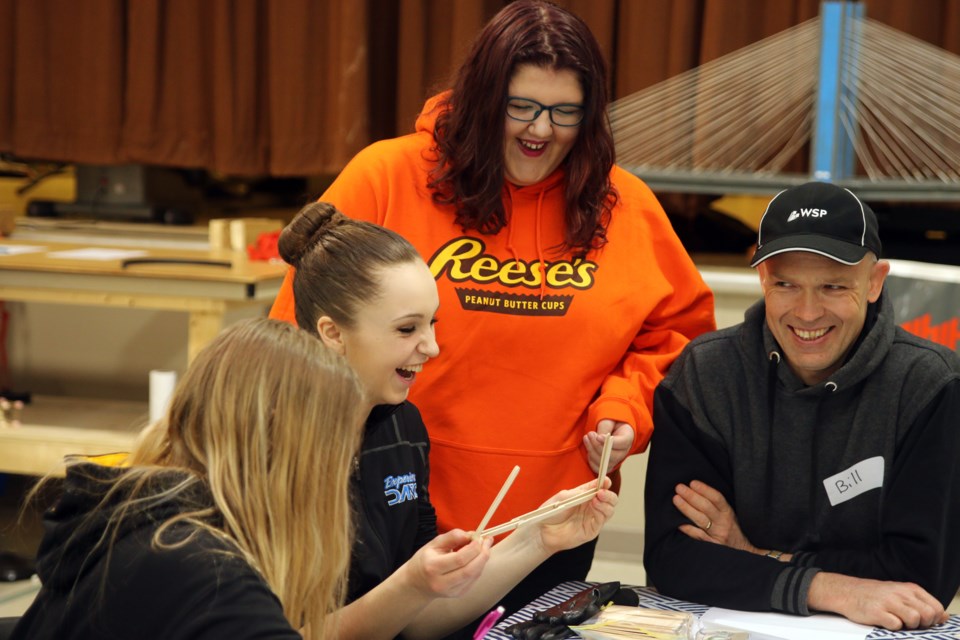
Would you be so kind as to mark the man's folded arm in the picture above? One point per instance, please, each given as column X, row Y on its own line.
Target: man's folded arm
column 693, row 570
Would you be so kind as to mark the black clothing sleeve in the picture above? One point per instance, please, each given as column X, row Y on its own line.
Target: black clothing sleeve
column 697, row 571
column 426, row 513
column 210, row 598
column 921, row 509
column 391, row 494
column 193, row 592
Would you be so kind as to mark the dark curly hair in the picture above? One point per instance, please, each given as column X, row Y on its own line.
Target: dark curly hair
column 470, row 169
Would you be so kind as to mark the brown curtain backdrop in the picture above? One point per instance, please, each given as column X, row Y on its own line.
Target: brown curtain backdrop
column 296, row 87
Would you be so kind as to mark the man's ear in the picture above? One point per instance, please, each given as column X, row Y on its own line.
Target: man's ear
column 330, row 335
column 878, row 274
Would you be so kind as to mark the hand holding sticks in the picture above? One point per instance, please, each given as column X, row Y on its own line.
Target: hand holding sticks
column 545, row 511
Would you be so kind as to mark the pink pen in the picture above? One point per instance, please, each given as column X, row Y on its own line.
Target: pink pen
column 488, row 621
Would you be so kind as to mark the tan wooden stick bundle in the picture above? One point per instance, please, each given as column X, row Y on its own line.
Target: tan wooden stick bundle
column 545, row 511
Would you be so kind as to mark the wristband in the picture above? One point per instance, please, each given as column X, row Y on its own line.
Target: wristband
column 773, row 554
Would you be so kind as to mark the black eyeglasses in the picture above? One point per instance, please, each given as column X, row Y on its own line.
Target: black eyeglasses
column 527, row 110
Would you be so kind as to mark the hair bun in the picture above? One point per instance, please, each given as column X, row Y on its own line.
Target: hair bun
column 306, row 229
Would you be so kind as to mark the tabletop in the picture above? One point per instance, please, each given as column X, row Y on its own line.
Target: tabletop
column 221, row 265
column 653, row 600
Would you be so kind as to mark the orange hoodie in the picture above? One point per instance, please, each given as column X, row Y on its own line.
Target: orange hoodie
column 528, row 364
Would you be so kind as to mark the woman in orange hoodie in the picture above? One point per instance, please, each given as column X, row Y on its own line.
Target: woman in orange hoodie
column 564, row 292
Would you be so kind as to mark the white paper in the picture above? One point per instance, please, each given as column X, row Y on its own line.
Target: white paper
column 17, row 249
column 97, row 253
column 162, row 384
column 821, row 626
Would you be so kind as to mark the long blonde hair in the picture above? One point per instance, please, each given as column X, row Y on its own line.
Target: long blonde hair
column 269, row 420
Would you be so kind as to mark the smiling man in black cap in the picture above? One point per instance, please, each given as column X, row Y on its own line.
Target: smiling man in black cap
column 805, row 460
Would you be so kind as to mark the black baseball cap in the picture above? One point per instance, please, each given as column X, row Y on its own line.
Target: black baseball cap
column 818, row 217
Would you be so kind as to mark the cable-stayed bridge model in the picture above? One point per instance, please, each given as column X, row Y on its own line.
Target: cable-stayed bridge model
column 872, row 108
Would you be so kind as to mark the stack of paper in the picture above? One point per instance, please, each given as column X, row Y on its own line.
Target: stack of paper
column 780, row 626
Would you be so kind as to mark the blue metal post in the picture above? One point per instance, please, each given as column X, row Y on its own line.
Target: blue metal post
column 831, row 154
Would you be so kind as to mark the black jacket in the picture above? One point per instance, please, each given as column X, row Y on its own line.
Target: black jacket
column 195, row 591
column 394, row 516
column 856, row 475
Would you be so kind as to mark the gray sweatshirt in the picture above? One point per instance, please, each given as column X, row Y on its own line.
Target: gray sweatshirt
column 855, row 475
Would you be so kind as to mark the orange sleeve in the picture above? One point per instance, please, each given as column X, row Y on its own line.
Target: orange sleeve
column 626, row 394
column 283, row 306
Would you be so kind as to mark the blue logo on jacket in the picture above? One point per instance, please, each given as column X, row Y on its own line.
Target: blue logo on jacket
column 400, row 488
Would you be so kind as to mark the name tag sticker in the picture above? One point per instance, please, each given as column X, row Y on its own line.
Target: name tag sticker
column 860, row 478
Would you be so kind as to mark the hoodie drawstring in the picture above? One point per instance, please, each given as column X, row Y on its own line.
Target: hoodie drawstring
column 773, row 360
column 543, row 271
column 510, row 247
column 811, row 537
column 817, row 495
column 541, row 264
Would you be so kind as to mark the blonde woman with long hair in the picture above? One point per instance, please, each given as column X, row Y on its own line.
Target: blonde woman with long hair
column 230, row 518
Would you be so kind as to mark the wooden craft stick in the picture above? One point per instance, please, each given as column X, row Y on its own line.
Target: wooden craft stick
column 542, row 513
column 632, row 622
column 604, row 461
column 499, row 498
column 547, row 510
column 560, row 506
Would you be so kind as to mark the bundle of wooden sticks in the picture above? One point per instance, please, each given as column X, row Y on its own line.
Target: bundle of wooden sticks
column 545, row 511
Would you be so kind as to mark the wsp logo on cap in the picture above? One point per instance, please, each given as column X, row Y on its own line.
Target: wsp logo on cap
column 806, row 213
column 846, row 235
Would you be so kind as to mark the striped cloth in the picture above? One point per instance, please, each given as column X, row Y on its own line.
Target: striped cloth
column 653, row 600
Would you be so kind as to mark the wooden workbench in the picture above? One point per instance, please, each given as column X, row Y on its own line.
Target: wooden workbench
column 204, row 284
column 53, row 427
column 199, row 285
